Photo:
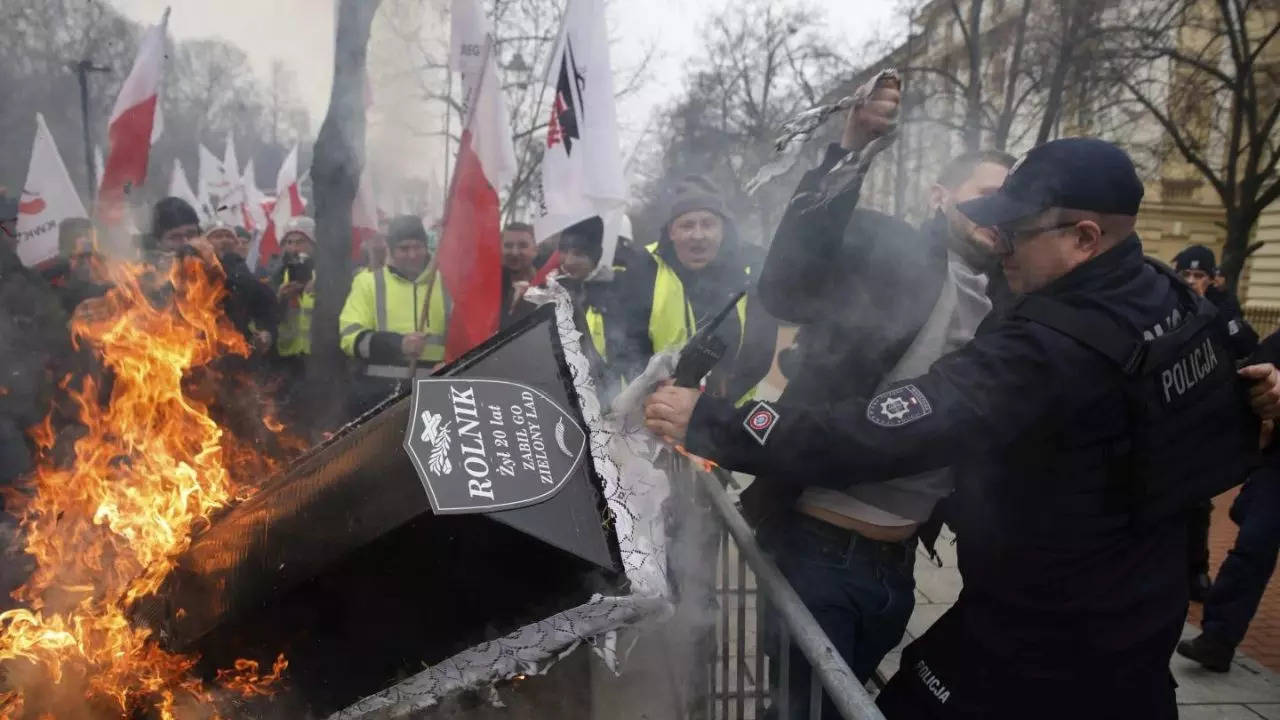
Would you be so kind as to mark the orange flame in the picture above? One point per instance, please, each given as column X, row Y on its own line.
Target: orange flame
column 106, row 530
column 246, row 681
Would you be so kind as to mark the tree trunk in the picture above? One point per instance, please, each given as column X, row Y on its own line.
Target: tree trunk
column 973, row 93
column 1235, row 249
column 335, row 174
column 1005, row 122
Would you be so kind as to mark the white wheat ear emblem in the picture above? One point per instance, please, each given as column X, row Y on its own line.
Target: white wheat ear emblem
column 437, row 435
column 564, row 447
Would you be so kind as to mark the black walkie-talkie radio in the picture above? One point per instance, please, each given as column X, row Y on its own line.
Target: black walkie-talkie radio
column 704, row 349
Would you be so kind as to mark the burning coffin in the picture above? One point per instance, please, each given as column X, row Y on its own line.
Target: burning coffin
column 451, row 537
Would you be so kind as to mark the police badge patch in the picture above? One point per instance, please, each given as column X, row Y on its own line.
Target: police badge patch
column 899, row 406
column 760, row 422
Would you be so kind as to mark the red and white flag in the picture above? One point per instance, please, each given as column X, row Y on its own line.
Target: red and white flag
column 470, row 259
column 48, row 198
column 130, row 128
column 582, row 167
column 288, row 204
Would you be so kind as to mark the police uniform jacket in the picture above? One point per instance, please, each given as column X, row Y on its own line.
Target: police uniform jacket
column 1036, row 428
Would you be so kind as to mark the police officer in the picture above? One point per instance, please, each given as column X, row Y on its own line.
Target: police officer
column 383, row 324
column 1078, row 425
column 1198, row 268
column 685, row 278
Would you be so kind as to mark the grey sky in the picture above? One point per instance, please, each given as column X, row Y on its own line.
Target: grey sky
column 299, row 32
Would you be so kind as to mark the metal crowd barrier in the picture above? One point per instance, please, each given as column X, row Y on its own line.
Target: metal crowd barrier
column 748, row 585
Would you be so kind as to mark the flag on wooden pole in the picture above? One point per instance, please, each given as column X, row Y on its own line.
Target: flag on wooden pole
column 470, row 250
column 130, row 127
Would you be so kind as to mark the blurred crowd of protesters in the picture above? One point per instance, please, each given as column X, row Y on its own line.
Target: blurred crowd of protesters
column 647, row 298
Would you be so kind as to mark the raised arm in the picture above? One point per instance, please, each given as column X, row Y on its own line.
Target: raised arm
column 804, row 265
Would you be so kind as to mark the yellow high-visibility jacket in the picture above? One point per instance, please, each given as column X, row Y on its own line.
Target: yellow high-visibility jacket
column 382, row 303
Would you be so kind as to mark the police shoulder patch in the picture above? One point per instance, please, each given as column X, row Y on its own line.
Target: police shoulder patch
column 898, row 406
column 760, row 421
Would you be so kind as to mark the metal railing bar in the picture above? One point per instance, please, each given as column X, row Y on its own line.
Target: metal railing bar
column 742, row 637
column 761, row 681
column 724, row 623
column 783, row 697
column 848, row 695
column 815, row 697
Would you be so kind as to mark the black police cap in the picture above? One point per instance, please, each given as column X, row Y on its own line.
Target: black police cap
column 1073, row 173
column 1196, row 257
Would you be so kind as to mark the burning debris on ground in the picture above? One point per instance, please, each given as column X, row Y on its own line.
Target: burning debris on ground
column 150, row 469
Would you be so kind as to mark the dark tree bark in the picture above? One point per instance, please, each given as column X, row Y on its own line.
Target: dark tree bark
column 335, row 176
column 1009, row 106
column 1217, row 104
column 972, row 32
column 1073, row 21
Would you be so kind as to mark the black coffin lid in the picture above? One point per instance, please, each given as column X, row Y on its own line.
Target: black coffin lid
column 341, row 565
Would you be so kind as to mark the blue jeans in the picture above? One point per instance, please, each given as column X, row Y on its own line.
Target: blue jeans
column 860, row 591
column 1243, row 577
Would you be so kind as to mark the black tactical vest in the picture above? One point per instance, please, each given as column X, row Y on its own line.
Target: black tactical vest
column 1191, row 433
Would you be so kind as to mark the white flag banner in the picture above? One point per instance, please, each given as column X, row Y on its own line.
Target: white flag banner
column 231, row 208
column 48, row 198
column 582, row 169
column 211, row 184
column 254, row 214
column 180, row 187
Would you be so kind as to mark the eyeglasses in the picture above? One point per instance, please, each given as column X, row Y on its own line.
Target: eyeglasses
column 1007, row 237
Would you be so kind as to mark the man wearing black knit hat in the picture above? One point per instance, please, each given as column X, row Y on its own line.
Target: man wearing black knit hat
column 697, row 265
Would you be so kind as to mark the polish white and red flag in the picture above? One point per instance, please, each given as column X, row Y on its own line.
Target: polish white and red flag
column 470, row 250
column 48, row 198
column 130, row 129
column 288, row 204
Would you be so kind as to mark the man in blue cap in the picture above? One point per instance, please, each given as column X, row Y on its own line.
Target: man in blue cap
column 1079, row 423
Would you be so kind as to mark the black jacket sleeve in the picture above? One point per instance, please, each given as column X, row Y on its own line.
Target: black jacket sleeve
column 982, row 396
column 759, row 342
column 799, row 266
column 632, row 346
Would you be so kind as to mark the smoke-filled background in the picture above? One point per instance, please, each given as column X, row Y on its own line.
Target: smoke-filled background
column 262, row 72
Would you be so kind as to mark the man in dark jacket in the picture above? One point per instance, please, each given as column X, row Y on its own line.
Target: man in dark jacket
column 1198, row 267
column 877, row 300
column 680, row 282
column 1233, row 598
column 1061, row 581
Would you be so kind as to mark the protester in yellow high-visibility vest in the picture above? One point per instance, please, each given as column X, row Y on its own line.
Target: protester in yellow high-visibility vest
column 383, row 324
column 296, row 288
column 581, row 246
column 691, row 272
